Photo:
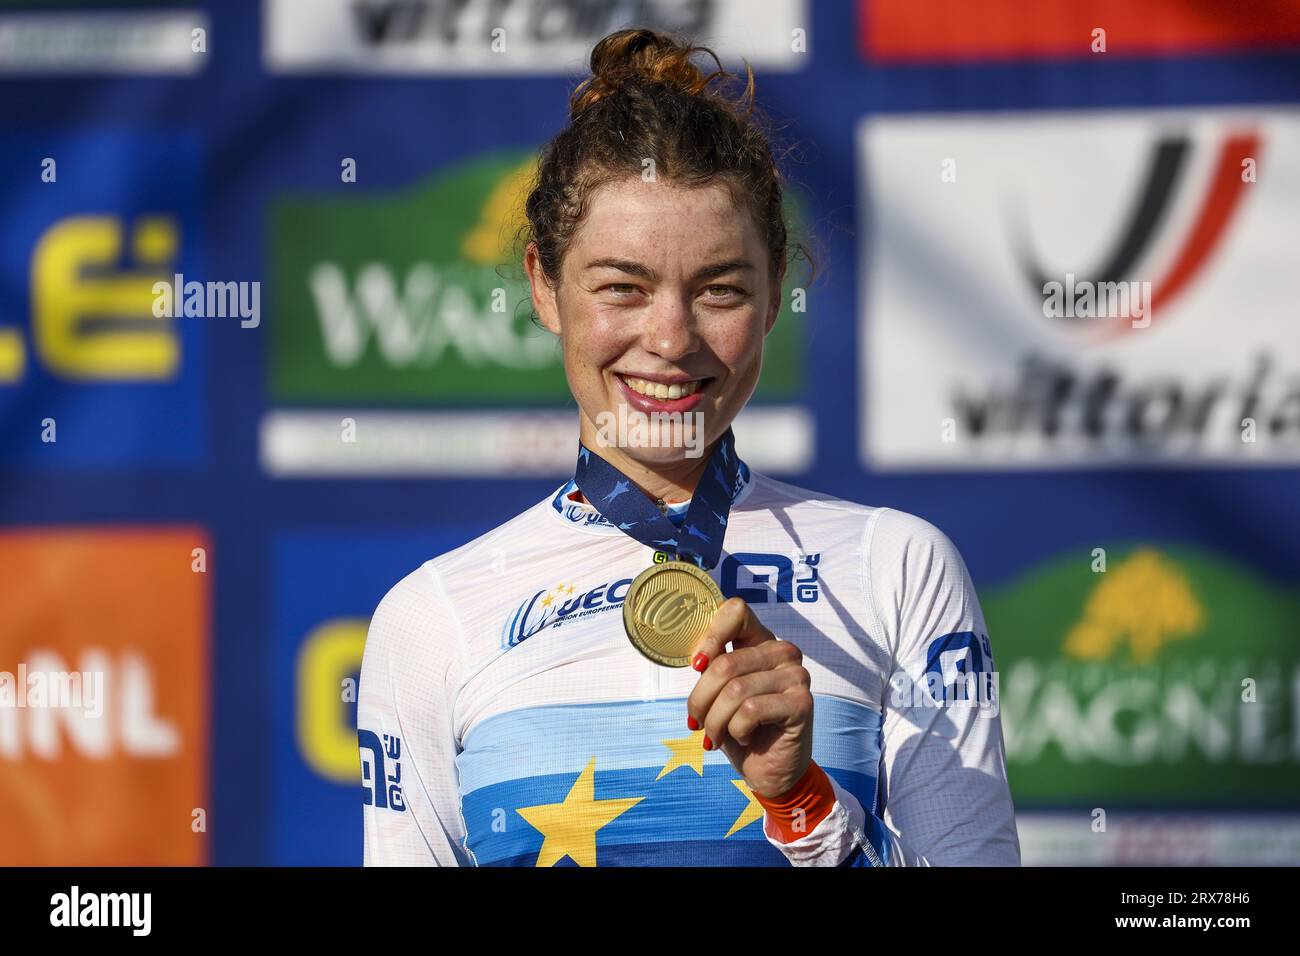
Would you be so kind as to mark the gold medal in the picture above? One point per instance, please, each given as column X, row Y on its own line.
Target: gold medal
column 668, row 609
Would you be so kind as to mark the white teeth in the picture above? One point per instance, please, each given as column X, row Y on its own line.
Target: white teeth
column 659, row 390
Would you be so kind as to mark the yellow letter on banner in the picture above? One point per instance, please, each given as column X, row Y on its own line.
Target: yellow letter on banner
column 13, row 356
column 326, row 735
column 73, row 279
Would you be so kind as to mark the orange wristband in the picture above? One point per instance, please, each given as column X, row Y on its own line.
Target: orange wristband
column 812, row 794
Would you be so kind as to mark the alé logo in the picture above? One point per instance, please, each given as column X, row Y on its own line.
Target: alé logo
column 381, row 770
column 757, row 577
column 114, row 384
column 415, row 293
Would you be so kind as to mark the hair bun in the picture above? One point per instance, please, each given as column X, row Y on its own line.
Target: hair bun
column 643, row 54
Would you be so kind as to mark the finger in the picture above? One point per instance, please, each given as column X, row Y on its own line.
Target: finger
column 732, row 696
column 769, row 655
column 735, row 623
column 788, row 707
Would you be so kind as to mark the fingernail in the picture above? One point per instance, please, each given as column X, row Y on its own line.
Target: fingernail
column 700, row 662
column 692, row 723
column 708, row 744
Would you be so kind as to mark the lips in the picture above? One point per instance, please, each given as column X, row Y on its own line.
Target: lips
column 644, row 394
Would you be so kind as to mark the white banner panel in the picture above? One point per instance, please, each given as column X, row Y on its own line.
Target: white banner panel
column 1082, row 289
column 516, row 36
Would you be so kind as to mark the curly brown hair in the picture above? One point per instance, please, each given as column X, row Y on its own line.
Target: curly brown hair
column 645, row 98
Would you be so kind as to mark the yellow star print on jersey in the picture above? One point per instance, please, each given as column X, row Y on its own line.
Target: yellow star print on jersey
column 753, row 810
column 686, row 752
column 569, row 828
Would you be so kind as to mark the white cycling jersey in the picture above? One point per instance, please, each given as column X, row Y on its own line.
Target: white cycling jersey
column 504, row 718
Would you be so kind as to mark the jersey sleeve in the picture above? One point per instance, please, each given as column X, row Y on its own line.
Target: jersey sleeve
column 409, row 675
column 943, row 793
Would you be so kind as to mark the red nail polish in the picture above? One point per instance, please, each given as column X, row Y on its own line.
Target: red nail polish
column 692, row 723
column 708, row 744
column 700, row 662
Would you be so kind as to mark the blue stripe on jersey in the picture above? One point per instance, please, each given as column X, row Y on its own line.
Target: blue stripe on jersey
column 584, row 777
column 732, row 852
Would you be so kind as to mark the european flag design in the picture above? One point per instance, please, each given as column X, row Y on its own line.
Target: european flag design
column 626, row 784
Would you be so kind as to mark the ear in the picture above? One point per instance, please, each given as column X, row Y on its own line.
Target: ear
column 543, row 295
column 774, row 308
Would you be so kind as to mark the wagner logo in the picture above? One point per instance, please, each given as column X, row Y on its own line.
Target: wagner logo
column 410, row 300
column 1162, row 255
column 1172, row 677
column 1139, row 606
column 554, row 607
column 403, row 297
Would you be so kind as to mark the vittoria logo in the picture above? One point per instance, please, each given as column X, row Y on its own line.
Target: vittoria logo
column 1091, row 293
column 1236, row 156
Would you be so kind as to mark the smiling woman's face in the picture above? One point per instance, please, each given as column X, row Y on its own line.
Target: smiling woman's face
column 662, row 307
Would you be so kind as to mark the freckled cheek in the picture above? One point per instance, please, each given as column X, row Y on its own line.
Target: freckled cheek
column 592, row 342
column 738, row 347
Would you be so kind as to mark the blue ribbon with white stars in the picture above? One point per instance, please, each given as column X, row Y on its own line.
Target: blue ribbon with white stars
column 626, row 507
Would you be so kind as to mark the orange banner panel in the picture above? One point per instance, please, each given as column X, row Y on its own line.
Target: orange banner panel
column 103, row 697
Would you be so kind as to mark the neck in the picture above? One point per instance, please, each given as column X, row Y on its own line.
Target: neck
column 669, row 481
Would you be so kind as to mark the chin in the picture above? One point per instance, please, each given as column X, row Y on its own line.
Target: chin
column 649, row 443
column 665, row 454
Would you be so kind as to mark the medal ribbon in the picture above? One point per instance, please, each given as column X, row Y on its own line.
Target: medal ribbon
column 626, row 507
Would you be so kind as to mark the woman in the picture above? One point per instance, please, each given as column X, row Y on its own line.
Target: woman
column 513, row 710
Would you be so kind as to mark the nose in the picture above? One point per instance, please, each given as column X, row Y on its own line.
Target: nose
column 669, row 329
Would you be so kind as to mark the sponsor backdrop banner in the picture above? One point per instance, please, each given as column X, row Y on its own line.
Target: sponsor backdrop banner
column 1054, row 315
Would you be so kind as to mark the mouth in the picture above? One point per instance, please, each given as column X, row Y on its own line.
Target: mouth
column 663, row 393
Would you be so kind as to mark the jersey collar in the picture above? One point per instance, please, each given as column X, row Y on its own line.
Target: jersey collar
column 584, row 517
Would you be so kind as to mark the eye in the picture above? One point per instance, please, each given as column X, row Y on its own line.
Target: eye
column 621, row 288
column 723, row 293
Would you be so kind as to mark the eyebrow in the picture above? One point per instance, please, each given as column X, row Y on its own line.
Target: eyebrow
column 644, row 271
